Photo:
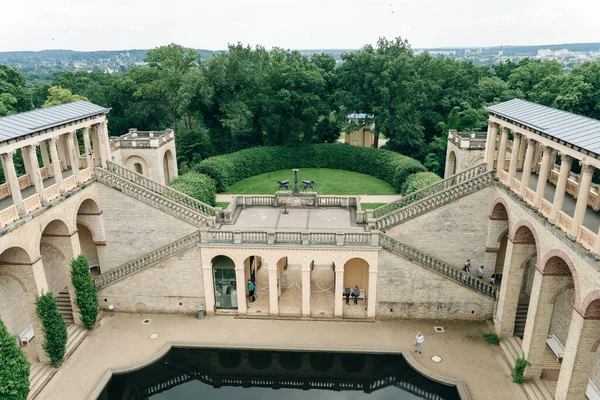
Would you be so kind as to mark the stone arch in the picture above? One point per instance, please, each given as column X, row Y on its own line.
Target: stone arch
column 15, row 256
column 451, row 163
column 557, row 262
column 131, row 159
column 14, row 290
column 591, row 298
column 137, row 167
column 559, row 292
column 87, row 245
column 475, row 162
column 592, row 311
column 56, row 228
column 499, row 210
column 168, row 167
column 356, row 273
column 524, row 233
column 501, row 236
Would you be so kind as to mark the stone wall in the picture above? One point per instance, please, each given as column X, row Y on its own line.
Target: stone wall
column 133, row 228
column 54, row 268
column 453, row 232
column 561, row 315
column 407, row 290
column 13, row 308
column 173, row 286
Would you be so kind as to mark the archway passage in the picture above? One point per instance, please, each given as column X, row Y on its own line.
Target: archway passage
column 168, row 167
column 322, row 286
column 356, row 277
column 289, row 270
column 88, row 249
column 451, row 164
column 225, row 284
column 89, row 226
column 258, row 274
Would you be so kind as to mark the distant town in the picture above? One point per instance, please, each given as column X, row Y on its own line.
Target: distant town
column 42, row 66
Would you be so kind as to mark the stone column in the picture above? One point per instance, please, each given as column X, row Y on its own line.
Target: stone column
column 522, row 150
column 273, row 289
column 552, row 162
column 73, row 157
column 542, row 177
column 58, row 178
column 101, row 145
column 10, row 174
column 502, row 151
column 527, row 165
column 87, row 146
column 539, row 317
column 209, row 288
column 306, row 290
column 63, row 152
column 95, row 146
column 45, row 157
column 514, row 158
column 580, row 354
column 561, row 185
column 372, row 294
column 26, row 161
column 36, row 176
column 582, row 196
column 339, row 292
column 104, row 134
column 506, row 312
column 490, row 145
column 240, row 278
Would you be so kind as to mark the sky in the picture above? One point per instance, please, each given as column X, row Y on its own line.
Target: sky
column 294, row 24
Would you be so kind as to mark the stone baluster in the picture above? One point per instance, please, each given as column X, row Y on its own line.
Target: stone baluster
column 580, row 207
column 542, row 177
column 561, row 185
column 10, row 175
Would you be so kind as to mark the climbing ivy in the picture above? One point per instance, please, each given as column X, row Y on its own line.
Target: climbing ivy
column 86, row 295
column 520, row 364
column 14, row 368
column 55, row 329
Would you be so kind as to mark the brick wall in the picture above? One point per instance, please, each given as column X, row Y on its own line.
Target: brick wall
column 561, row 315
column 407, row 290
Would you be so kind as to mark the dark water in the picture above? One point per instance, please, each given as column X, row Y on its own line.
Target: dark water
column 266, row 375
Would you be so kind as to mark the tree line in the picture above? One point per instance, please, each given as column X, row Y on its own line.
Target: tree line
column 248, row 97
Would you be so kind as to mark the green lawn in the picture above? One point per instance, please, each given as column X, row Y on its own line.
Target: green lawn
column 370, row 206
column 327, row 181
column 222, row 204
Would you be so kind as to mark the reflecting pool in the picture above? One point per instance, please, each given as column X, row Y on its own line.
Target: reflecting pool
column 270, row 375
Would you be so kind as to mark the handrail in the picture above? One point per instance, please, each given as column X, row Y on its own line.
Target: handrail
column 435, row 265
column 430, row 190
column 434, row 200
column 163, row 190
column 147, row 260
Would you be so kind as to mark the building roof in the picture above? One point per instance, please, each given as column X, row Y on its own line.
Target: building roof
column 579, row 131
column 359, row 116
column 16, row 125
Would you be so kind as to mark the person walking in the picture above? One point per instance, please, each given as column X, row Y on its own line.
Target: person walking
column 419, row 342
column 347, row 292
column 466, row 270
column 480, row 272
column 251, row 287
column 356, row 294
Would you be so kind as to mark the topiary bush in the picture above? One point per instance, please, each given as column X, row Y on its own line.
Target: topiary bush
column 87, row 297
column 520, row 364
column 491, row 338
column 387, row 165
column 199, row 186
column 55, row 329
column 14, row 367
column 418, row 181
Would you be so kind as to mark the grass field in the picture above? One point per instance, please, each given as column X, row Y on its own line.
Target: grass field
column 370, row 206
column 327, row 181
column 222, row 204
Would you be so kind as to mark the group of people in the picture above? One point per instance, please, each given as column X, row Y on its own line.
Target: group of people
column 355, row 293
column 466, row 273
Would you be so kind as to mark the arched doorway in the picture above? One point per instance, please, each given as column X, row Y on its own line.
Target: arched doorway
column 496, row 243
column 168, row 167
column 322, row 286
column 450, row 164
column 137, row 167
column 255, row 271
column 289, row 270
column 89, row 229
column 88, row 248
column 356, row 275
column 137, row 163
column 225, row 284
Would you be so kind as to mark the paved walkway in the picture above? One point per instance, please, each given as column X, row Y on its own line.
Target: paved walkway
column 364, row 198
column 122, row 343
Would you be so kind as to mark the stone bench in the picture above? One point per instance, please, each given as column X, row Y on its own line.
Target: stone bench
column 592, row 391
column 556, row 347
column 26, row 335
column 360, row 296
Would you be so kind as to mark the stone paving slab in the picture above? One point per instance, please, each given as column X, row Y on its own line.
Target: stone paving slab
column 122, row 343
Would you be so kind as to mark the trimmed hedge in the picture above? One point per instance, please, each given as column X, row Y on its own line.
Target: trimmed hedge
column 199, row 186
column 55, row 329
column 419, row 180
column 387, row 165
column 87, row 298
column 14, row 367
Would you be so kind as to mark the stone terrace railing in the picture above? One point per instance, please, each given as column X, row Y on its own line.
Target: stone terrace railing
column 431, row 197
column 155, row 198
column 440, row 267
column 147, row 260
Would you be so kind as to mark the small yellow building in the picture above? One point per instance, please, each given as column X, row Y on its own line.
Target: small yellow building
column 362, row 137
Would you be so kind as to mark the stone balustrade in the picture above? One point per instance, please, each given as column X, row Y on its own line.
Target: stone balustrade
column 545, row 207
column 32, row 203
column 85, row 175
column 504, row 177
column 70, row 183
column 435, row 265
column 529, row 196
column 52, row 192
column 564, row 221
column 142, row 139
column 515, row 186
column 468, row 140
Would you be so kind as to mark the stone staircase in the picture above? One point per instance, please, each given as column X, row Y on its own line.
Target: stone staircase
column 520, row 318
column 75, row 336
column 433, row 264
column 147, row 260
column 156, row 195
column 432, row 197
column 65, row 307
column 534, row 389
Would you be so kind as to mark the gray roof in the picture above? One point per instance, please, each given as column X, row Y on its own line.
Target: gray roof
column 16, row 125
column 579, row 131
column 359, row 116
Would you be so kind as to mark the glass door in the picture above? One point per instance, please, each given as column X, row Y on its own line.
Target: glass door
column 225, row 288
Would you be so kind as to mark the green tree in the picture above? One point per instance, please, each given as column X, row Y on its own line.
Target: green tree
column 14, row 368
column 55, row 330
column 58, row 95
column 14, row 94
column 86, row 294
column 531, row 72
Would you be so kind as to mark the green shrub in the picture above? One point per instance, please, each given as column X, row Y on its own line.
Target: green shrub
column 55, row 329
column 418, row 181
column 491, row 338
column 199, row 186
column 14, row 367
column 520, row 364
column 87, row 297
column 387, row 165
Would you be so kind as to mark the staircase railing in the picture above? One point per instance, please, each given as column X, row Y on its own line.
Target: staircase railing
column 435, row 265
column 430, row 198
column 154, row 198
column 147, row 260
column 163, row 190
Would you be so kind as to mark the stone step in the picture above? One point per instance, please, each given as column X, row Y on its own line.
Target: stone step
column 43, row 374
column 511, row 350
column 533, row 391
column 76, row 335
column 543, row 389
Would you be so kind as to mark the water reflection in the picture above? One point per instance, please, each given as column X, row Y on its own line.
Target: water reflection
column 241, row 374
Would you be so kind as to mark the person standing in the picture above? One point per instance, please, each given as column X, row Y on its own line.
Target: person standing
column 419, row 342
column 347, row 292
column 251, row 287
column 356, row 294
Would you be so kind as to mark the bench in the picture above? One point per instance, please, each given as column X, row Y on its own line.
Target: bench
column 360, row 296
column 592, row 391
column 556, row 347
column 26, row 335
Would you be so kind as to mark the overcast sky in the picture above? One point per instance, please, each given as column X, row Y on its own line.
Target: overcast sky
column 296, row 24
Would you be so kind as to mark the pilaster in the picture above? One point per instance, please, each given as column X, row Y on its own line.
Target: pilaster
column 306, row 290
